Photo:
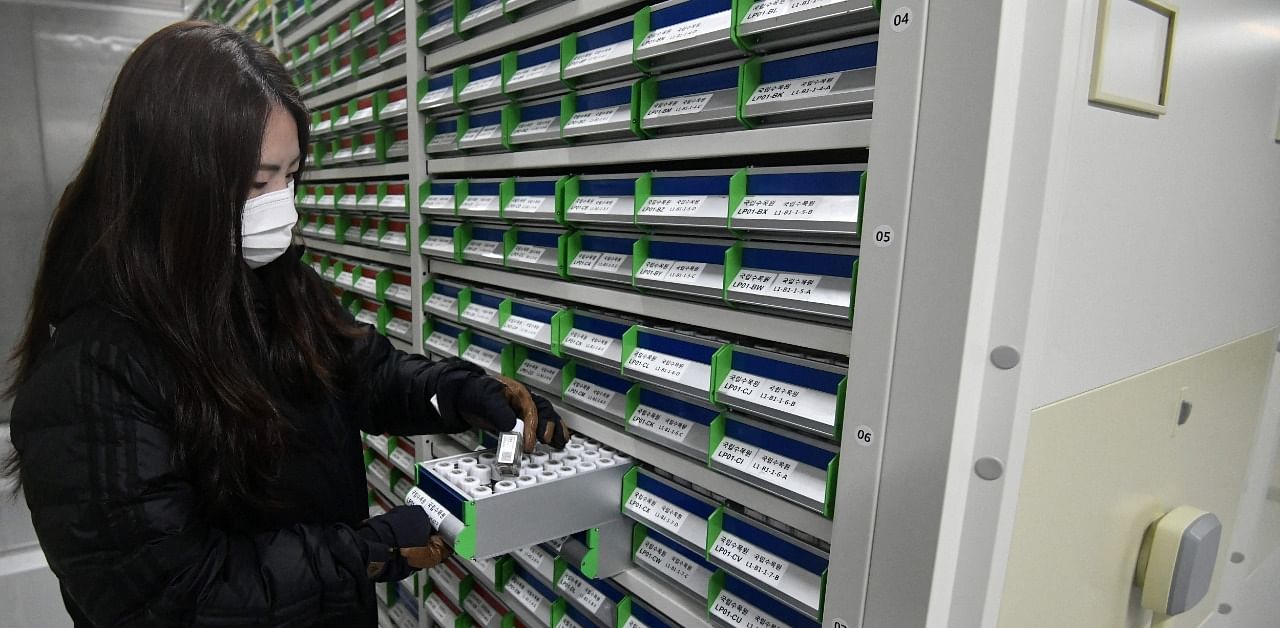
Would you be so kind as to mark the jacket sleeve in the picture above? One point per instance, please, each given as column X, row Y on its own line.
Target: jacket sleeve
column 398, row 388
column 121, row 527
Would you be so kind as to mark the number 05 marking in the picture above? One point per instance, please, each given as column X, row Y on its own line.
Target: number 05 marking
column 883, row 236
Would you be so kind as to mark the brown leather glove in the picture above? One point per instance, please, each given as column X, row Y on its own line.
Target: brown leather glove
column 541, row 421
column 427, row 556
column 400, row 542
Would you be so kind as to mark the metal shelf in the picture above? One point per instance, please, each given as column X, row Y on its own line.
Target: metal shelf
column 788, row 139
column 678, row 607
column 373, row 255
column 365, row 84
column 343, row 7
column 249, row 6
column 798, row 333
column 775, row 507
column 574, row 12
column 395, row 169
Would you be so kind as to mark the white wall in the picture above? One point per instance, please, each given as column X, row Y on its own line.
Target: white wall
column 1111, row 243
column 60, row 59
column 1166, row 239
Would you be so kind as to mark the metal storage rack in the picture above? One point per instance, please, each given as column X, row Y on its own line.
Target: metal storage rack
column 840, row 140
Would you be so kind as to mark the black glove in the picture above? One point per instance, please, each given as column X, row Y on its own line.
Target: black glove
column 401, row 542
column 494, row 403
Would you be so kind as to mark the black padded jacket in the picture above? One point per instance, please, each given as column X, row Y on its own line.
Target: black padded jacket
column 122, row 526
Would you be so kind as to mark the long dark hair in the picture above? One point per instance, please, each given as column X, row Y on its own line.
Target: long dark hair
column 152, row 222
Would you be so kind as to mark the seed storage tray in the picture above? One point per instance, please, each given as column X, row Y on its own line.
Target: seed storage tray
column 501, row 522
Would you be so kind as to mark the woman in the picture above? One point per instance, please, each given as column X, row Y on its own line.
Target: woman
column 188, row 395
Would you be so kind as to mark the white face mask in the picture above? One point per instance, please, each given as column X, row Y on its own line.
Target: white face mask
column 268, row 226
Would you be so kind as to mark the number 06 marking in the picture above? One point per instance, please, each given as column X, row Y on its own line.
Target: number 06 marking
column 864, row 436
column 901, row 20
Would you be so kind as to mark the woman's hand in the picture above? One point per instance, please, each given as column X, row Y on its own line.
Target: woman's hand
column 400, row 542
column 494, row 403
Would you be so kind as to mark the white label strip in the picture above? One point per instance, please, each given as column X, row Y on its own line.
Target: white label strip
column 593, row 204
column 480, row 356
column 687, row 30
column 771, row 467
column 398, row 326
column 481, row 133
column 479, row 609
column 760, row 564
column 532, row 555
column 486, row 83
column 660, row 423
column 439, row 611
column 685, row 272
column 580, row 590
column 526, row 253
column 403, row 460
column 524, row 593
column 399, row 291
column 393, row 239
column 678, row 106
column 657, row 510
column 526, row 204
column 588, row 342
column 585, row 260
column 367, row 317
column 657, row 364
column 378, row 442
column 443, row 343
column 826, row 208
column 481, row 314
column 673, row 205
column 590, row 394
column 345, row 277
column 436, row 513
column 483, row 248
column 592, row 117
column 534, row 72
column 811, row 404
column 612, row 51
column 442, row 303
column 692, row 576
column 753, row 281
column 536, row 371
column 523, row 327
column 738, row 613
column 438, row 243
column 480, row 203
column 654, row 269
column 793, row 89
column 439, row 201
column 609, row 262
column 529, row 127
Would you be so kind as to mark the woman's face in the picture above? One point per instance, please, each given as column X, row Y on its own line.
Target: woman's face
column 280, row 158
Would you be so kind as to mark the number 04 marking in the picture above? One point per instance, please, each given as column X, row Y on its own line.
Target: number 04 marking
column 901, row 20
